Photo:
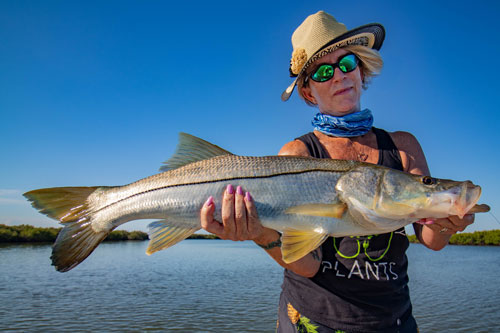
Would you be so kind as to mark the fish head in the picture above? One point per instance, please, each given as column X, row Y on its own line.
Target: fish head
column 381, row 193
column 449, row 197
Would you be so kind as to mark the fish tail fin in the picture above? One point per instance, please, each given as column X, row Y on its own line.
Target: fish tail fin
column 66, row 204
column 163, row 235
column 69, row 205
column 74, row 243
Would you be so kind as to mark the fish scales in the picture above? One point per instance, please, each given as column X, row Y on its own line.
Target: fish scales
column 238, row 167
column 221, row 168
column 178, row 194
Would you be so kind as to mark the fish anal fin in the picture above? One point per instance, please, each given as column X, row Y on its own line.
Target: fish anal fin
column 192, row 149
column 335, row 210
column 163, row 235
column 297, row 244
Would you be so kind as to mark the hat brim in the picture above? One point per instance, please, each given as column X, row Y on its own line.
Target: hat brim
column 369, row 35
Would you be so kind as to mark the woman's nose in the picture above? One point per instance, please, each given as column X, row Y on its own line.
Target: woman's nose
column 338, row 75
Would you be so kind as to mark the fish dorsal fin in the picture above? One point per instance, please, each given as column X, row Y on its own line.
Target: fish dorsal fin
column 192, row 149
column 163, row 235
column 335, row 210
column 297, row 244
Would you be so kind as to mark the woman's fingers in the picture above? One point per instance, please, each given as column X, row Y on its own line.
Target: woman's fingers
column 451, row 225
column 207, row 218
column 443, row 226
column 255, row 228
column 227, row 213
column 240, row 215
column 460, row 224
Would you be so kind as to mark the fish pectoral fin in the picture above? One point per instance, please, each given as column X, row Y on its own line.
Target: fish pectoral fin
column 395, row 208
column 335, row 210
column 163, row 235
column 297, row 244
column 192, row 149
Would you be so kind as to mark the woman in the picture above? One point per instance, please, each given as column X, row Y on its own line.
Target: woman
column 350, row 283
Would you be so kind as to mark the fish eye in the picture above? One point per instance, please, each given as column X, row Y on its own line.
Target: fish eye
column 428, row 180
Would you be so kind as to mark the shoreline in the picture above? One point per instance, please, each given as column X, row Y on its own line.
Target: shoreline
column 476, row 238
column 29, row 234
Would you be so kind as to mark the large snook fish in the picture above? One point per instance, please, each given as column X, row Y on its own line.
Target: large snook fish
column 307, row 199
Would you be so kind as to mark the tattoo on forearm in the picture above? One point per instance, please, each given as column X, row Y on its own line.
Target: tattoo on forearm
column 271, row 245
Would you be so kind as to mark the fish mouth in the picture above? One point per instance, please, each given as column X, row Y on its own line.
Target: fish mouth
column 457, row 200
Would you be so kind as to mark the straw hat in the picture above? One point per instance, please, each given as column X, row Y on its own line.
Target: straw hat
column 319, row 35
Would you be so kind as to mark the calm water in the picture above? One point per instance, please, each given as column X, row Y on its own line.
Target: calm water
column 218, row 286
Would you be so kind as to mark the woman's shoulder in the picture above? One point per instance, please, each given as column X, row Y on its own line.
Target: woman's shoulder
column 412, row 155
column 404, row 140
column 294, row 148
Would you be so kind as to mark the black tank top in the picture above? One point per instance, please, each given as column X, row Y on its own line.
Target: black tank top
column 362, row 282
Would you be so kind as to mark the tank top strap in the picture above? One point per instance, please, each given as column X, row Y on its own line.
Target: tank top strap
column 388, row 152
column 315, row 148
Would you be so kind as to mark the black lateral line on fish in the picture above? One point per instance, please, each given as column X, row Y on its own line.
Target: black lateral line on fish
column 214, row 181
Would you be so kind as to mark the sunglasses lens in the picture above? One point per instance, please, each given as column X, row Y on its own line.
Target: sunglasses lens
column 348, row 63
column 323, row 73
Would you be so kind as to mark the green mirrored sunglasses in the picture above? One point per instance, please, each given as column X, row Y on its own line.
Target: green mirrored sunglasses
column 325, row 72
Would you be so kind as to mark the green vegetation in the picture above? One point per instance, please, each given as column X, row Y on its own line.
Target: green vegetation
column 121, row 235
column 30, row 234
column 490, row 237
column 201, row 236
column 26, row 233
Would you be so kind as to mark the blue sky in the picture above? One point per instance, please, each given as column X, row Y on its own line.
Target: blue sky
column 95, row 92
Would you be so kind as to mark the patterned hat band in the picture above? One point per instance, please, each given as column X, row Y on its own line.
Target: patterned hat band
column 319, row 35
column 357, row 40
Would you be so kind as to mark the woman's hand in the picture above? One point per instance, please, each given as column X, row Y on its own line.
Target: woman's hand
column 239, row 216
column 436, row 233
column 240, row 222
column 452, row 224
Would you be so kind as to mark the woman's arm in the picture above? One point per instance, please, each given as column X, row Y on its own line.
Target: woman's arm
column 240, row 222
column 431, row 235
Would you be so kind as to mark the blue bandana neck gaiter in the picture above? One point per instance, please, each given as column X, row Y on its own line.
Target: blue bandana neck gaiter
column 354, row 124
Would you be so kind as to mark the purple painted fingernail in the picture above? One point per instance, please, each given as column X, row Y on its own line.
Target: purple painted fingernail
column 248, row 197
column 230, row 189
column 210, row 201
column 239, row 190
column 425, row 221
